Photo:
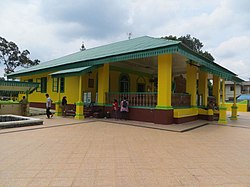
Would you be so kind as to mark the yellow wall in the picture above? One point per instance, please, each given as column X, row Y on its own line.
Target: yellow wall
column 71, row 90
column 133, row 78
column 185, row 112
column 86, row 77
column 241, row 107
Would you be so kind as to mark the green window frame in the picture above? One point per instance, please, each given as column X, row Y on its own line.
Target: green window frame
column 62, row 85
column 55, row 84
column 44, row 85
column 38, row 89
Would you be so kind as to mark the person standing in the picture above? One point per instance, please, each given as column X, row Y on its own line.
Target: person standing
column 48, row 106
column 124, row 108
column 24, row 103
column 64, row 106
column 115, row 108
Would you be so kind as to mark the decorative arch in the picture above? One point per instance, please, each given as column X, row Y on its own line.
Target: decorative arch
column 141, row 84
column 124, row 83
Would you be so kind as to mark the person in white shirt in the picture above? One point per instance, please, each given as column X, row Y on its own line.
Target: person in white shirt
column 48, row 106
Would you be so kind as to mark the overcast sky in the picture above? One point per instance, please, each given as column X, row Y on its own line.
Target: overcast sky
column 54, row 28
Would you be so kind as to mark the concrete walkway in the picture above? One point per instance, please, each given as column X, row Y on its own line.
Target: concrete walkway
column 68, row 152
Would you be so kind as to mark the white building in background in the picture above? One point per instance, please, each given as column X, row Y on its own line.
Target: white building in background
column 243, row 88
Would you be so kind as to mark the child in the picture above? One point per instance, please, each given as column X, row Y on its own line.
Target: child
column 115, row 108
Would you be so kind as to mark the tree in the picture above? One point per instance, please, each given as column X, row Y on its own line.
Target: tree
column 193, row 43
column 12, row 57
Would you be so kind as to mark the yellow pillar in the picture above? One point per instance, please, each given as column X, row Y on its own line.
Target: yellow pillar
column 164, row 82
column 234, row 107
column 223, row 108
column 79, row 104
column 191, row 83
column 103, row 84
column 202, row 87
column 216, row 89
column 58, row 103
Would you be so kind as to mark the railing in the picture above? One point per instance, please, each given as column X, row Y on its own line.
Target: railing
column 142, row 99
column 147, row 99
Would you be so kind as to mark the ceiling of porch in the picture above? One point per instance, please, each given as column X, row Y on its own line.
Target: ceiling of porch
column 150, row 66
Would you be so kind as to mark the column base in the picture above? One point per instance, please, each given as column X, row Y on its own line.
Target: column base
column 234, row 112
column 79, row 116
column 79, row 110
column 222, row 122
column 58, row 111
column 222, row 115
column 234, row 118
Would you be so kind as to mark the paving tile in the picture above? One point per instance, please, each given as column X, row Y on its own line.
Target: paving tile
column 27, row 174
column 84, row 181
column 104, row 181
column 66, row 174
column 61, row 182
column 39, row 182
column 18, row 182
column 100, row 153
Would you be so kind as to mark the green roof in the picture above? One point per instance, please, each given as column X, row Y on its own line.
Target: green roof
column 110, row 50
column 141, row 47
column 73, row 71
column 17, row 87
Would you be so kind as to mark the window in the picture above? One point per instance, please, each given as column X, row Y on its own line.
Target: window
column 91, row 83
column 55, row 85
column 30, row 80
column 231, row 88
column 62, row 85
column 124, row 83
column 44, row 85
column 140, row 87
column 38, row 80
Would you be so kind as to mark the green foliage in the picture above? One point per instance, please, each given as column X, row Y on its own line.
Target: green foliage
column 192, row 43
column 12, row 57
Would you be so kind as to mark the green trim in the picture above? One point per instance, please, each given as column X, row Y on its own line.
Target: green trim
column 223, row 121
column 17, row 87
column 79, row 115
column 129, row 93
column 164, row 107
column 222, row 108
column 181, row 107
column 71, row 73
column 100, row 104
column 79, row 103
column 62, row 84
column 233, row 118
column 194, row 106
column 234, row 107
column 9, row 102
column 143, row 107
